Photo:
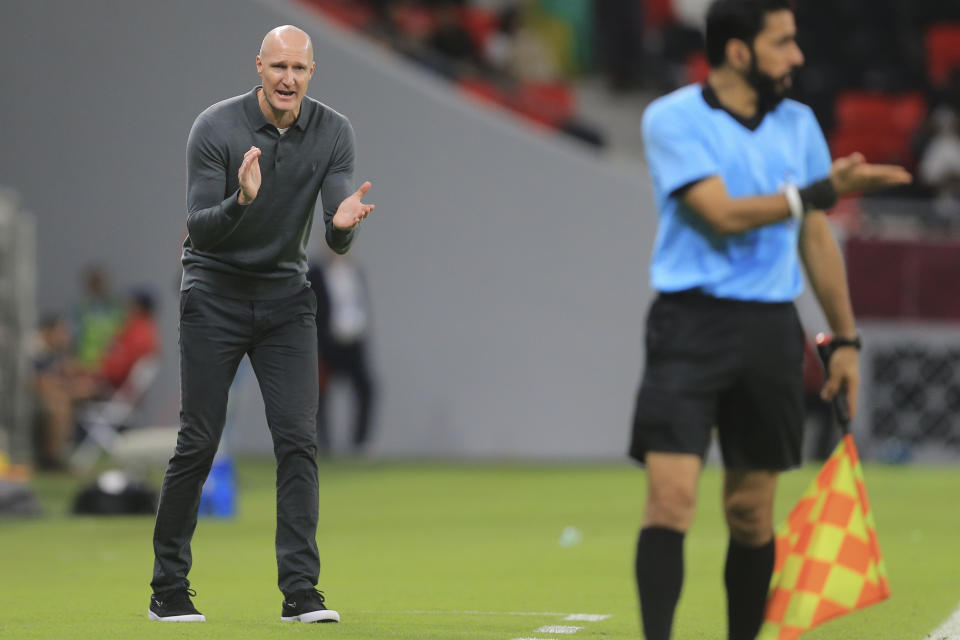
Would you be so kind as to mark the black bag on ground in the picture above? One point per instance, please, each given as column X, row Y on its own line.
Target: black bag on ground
column 115, row 493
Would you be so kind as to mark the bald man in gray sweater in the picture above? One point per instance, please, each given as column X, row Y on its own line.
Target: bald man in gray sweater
column 256, row 164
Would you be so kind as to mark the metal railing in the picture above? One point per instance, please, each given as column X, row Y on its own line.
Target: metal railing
column 17, row 320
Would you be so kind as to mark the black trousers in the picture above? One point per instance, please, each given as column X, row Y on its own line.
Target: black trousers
column 280, row 338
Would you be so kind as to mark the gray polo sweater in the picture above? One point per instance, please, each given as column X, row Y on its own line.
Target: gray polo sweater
column 259, row 251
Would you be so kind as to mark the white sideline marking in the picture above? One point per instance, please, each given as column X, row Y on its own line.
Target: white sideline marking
column 586, row 617
column 949, row 630
column 559, row 629
column 592, row 617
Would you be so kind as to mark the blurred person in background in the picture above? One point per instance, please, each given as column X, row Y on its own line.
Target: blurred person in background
column 498, row 49
column 742, row 177
column 96, row 318
column 138, row 338
column 939, row 166
column 530, row 55
column 343, row 330
column 62, row 385
column 256, row 164
column 53, row 389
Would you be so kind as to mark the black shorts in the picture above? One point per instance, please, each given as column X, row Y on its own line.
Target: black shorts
column 726, row 363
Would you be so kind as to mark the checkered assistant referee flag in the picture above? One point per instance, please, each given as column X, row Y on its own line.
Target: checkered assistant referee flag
column 828, row 559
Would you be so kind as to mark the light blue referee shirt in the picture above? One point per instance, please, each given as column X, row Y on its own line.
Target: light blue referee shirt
column 688, row 137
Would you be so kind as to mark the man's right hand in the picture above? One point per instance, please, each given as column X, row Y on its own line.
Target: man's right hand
column 852, row 174
column 249, row 176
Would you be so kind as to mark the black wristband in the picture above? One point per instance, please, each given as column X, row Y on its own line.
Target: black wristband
column 854, row 342
column 818, row 195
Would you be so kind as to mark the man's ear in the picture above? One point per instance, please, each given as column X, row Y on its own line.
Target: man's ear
column 738, row 54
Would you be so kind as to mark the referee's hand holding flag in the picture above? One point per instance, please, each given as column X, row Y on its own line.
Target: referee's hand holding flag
column 840, row 364
column 828, row 561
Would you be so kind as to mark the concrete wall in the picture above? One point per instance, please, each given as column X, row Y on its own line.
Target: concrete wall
column 508, row 269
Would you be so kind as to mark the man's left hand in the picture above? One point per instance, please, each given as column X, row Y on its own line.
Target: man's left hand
column 352, row 210
column 844, row 374
column 853, row 174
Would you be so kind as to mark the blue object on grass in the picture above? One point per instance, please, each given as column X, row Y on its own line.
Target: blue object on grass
column 219, row 496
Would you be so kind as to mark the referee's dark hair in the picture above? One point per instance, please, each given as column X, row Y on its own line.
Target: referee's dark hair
column 736, row 19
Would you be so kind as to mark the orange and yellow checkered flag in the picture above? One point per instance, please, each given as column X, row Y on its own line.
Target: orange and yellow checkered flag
column 828, row 560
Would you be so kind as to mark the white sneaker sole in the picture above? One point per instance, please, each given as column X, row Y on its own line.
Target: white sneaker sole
column 187, row 618
column 323, row 615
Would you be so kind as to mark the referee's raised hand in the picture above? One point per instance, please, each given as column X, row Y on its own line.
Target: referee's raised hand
column 852, row 173
column 352, row 210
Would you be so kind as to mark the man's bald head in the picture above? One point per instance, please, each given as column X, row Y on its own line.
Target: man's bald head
column 287, row 37
column 285, row 65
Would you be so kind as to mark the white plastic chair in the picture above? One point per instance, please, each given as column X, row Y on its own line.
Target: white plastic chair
column 103, row 420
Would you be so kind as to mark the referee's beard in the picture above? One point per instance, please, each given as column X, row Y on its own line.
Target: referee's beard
column 770, row 90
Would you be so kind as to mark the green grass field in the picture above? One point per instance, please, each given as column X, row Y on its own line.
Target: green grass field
column 446, row 551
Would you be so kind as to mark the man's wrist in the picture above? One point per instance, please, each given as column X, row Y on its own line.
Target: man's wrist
column 847, row 340
column 819, row 195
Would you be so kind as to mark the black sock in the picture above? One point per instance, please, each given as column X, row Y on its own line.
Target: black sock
column 747, row 576
column 659, row 578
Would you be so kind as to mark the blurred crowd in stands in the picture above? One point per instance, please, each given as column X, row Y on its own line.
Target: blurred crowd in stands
column 890, row 66
column 86, row 355
column 517, row 54
column 883, row 77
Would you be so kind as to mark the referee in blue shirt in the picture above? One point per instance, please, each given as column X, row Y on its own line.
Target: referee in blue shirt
column 741, row 177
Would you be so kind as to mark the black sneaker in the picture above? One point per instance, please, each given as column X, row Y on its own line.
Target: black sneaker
column 174, row 606
column 307, row 606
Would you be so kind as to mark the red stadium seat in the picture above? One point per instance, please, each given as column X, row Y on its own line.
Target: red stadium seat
column 414, row 20
column 878, row 147
column 657, row 14
column 481, row 24
column 482, row 90
column 867, row 110
column 943, row 51
column 355, row 15
column 697, row 67
column 878, row 125
column 549, row 103
column 544, row 105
